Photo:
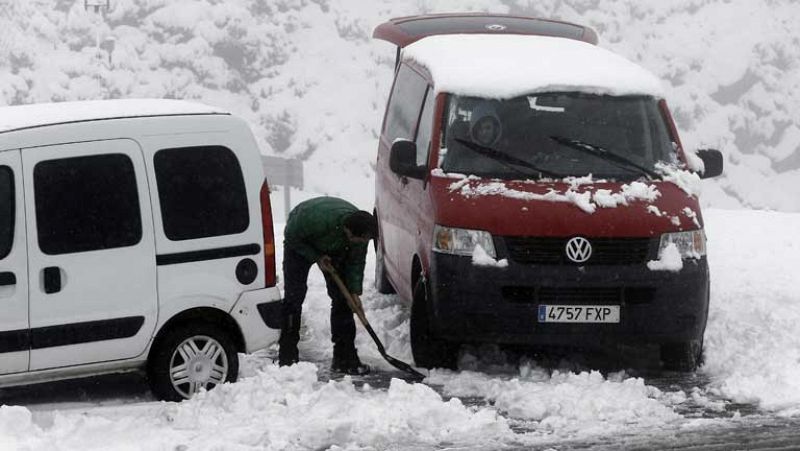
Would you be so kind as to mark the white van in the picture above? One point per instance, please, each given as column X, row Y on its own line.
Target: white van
column 134, row 235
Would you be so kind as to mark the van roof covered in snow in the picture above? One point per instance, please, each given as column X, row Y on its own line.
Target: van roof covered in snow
column 403, row 31
column 43, row 114
column 507, row 66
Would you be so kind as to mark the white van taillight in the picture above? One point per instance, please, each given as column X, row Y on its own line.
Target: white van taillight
column 269, row 237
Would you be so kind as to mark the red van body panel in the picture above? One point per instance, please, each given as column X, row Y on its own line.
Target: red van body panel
column 558, row 219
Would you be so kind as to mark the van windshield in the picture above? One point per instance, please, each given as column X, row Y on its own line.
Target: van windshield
column 555, row 135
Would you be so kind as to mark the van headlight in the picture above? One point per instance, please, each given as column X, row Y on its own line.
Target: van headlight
column 690, row 244
column 449, row 240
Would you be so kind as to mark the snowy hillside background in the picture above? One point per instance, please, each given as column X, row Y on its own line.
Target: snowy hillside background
column 311, row 81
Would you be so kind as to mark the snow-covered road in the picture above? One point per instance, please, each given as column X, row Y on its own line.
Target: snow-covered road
column 751, row 377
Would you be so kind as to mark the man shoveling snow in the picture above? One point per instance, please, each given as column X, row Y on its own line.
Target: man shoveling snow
column 334, row 234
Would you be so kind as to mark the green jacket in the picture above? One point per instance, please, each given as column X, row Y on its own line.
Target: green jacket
column 316, row 228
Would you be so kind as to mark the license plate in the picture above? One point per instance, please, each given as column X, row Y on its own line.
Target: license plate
column 578, row 313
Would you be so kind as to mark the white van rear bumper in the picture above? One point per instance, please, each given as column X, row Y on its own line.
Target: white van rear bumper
column 252, row 312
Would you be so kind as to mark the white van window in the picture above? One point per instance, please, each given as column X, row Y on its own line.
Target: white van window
column 86, row 204
column 405, row 104
column 6, row 211
column 202, row 192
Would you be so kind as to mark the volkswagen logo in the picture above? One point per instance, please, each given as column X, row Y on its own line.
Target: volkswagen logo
column 579, row 249
column 495, row 27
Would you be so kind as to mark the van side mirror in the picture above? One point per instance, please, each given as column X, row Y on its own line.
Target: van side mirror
column 403, row 160
column 712, row 160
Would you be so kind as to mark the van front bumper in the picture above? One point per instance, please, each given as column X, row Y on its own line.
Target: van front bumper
column 478, row 304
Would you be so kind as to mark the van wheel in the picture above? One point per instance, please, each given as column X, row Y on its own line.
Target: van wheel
column 382, row 283
column 428, row 350
column 189, row 358
column 685, row 356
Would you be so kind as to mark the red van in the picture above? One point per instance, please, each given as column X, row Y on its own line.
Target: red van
column 532, row 190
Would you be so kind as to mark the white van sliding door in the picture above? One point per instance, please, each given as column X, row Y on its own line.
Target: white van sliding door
column 91, row 253
column 14, row 330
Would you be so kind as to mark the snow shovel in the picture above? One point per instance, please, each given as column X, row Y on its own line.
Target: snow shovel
column 362, row 317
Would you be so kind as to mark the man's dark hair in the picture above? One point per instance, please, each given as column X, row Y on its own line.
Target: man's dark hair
column 362, row 224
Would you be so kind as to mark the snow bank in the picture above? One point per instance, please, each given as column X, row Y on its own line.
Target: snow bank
column 752, row 356
column 276, row 409
column 566, row 403
column 505, row 66
column 753, row 335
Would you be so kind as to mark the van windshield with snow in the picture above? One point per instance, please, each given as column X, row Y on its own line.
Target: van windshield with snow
column 556, row 135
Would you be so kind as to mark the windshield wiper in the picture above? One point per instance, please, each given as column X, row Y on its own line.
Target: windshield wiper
column 605, row 154
column 506, row 159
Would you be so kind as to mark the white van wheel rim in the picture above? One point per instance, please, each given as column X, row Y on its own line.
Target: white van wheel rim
column 198, row 362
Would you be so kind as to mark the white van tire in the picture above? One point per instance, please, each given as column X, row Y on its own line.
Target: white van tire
column 212, row 359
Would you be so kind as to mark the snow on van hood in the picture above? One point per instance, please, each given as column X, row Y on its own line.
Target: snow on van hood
column 572, row 205
column 506, row 66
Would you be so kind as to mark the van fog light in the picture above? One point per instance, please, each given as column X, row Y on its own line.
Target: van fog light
column 449, row 240
column 690, row 244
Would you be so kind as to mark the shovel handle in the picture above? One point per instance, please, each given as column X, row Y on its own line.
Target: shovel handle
column 359, row 311
column 349, row 297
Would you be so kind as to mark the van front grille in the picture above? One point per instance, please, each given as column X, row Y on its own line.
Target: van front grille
column 605, row 251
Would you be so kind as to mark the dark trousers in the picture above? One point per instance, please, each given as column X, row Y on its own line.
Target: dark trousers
column 343, row 327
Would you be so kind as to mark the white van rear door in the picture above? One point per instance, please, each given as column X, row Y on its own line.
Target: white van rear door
column 91, row 253
column 14, row 330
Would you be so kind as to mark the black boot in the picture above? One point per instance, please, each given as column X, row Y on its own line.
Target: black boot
column 346, row 361
column 290, row 336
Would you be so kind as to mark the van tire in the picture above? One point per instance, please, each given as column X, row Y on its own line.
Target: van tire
column 683, row 356
column 382, row 283
column 166, row 357
column 428, row 350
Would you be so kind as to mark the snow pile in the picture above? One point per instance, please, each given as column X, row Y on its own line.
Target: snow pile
column 688, row 181
column 567, row 403
column 506, row 66
column 276, row 409
column 472, row 187
column 753, row 335
column 635, row 191
column 481, row 258
column 752, row 355
column 669, row 259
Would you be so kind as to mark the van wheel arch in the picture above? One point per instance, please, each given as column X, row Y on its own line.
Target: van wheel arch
column 205, row 315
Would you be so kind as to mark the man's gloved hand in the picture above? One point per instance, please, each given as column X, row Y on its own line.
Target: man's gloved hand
column 325, row 264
